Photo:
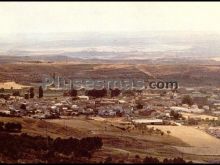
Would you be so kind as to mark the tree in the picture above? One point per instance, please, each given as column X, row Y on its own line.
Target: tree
column 73, row 93
column 1, row 126
column 140, row 106
column 175, row 161
column 137, row 157
column 108, row 160
column 163, row 93
column 41, row 92
column 31, row 92
column 23, row 106
column 115, row 92
column 65, row 94
column 187, row 100
column 16, row 93
column 2, row 90
column 217, row 122
column 192, row 121
column 15, row 146
column 151, row 160
column 175, row 115
column 5, row 96
column 97, row 93
column 13, row 127
column 129, row 93
column 26, row 96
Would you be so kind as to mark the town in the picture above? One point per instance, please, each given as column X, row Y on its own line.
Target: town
column 183, row 106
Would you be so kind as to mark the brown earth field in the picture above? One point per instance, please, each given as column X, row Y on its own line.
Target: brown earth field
column 185, row 75
column 120, row 144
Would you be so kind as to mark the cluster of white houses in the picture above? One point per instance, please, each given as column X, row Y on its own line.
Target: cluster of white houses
column 155, row 106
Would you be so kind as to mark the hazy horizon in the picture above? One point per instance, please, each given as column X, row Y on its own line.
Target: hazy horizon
column 56, row 17
column 110, row 29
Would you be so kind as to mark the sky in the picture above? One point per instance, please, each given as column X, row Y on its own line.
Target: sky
column 45, row 17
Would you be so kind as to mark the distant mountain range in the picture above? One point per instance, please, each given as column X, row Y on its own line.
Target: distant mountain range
column 113, row 46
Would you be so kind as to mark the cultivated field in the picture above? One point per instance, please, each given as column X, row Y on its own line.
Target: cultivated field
column 134, row 142
column 185, row 75
column 204, row 117
column 200, row 142
column 14, row 85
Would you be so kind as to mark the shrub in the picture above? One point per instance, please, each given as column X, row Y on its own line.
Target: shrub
column 187, row 100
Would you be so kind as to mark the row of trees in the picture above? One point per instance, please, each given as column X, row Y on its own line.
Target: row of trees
column 47, row 149
column 30, row 93
column 82, row 147
column 40, row 92
column 10, row 127
column 73, row 93
column 151, row 160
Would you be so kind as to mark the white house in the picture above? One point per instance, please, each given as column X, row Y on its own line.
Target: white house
column 148, row 121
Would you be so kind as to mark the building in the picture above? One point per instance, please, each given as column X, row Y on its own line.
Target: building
column 83, row 97
column 148, row 121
